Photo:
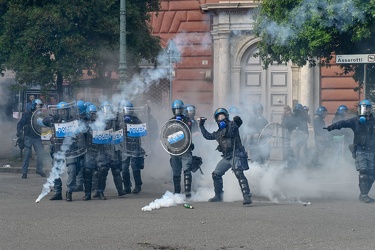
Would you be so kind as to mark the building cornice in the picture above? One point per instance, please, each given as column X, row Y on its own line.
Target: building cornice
column 226, row 6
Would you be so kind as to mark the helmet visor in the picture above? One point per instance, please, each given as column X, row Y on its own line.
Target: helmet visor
column 220, row 117
column 364, row 109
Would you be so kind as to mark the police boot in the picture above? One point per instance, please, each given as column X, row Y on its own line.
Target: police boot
column 68, row 196
column 56, row 197
column 87, row 180
column 244, row 185
column 137, row 181
column 364, row 187
column 118, row 182
column 127, row 182
column 187, row 184
column 218, row 188
column 177, row 184
column 94, row 183
column 101, row 195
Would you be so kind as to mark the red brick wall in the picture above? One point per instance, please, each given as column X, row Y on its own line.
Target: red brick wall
column 337, row 89
column 182, row 21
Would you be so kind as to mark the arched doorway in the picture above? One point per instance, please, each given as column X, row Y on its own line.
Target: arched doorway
column 271, row 87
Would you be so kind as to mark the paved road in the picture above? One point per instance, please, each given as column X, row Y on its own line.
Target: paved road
column 120, row 223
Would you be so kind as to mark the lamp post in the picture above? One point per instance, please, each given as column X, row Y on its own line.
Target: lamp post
column 174, row 56
column 122, row 63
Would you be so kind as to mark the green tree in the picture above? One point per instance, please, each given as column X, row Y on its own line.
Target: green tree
column 47, row 41
column 301, row 31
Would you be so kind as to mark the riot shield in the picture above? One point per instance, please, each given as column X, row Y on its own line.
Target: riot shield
column 271, row 134
column 67, row 130
column 175, row 137
column 134, row 122
column 37, row 125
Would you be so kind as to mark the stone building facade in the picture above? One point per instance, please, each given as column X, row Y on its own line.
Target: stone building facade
column 218, row 68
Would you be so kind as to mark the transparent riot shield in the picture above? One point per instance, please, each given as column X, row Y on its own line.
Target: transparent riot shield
column 134, row 122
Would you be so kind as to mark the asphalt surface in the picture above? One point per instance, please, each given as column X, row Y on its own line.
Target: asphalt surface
column 119, row 222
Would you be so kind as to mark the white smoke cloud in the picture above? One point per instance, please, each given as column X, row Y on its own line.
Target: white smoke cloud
column 167, row 200
column 340, row 14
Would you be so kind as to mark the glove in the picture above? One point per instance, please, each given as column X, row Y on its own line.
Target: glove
column 39, row 121
column 201, row 121
column 329, row 128
column 237, row 120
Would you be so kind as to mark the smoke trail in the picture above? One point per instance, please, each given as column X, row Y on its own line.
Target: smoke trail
column 57, row 170
column 338, row 14
column 59, row 162
column 167, row 200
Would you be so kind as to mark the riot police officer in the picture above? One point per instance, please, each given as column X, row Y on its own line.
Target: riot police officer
column 133, row 155
column 363, row 148
column 257, row 122
column 233, row 153
column 106, row 155
column 82, row 115
column 322, row 140
column 67, row 143
column 90, row 160
column 184, row 161
column 31, row 139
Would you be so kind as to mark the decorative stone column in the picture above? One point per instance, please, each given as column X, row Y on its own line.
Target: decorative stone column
column 222, row 73
column 307, row 87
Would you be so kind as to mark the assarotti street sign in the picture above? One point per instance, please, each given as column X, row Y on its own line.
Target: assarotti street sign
column 353, row 59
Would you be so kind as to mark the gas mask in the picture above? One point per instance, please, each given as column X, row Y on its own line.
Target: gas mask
column 221, row 121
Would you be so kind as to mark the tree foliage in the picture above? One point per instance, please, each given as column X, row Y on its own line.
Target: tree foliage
column 301, row 31
column 47, row 41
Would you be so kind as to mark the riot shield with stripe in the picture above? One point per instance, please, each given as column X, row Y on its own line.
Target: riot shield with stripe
column 37, row 124
column 134, row 122
column 67, row 130
column 175, row 137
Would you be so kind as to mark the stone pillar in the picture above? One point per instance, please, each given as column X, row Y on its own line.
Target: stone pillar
column 236, row 86
column 307, row 88
column 221, row 88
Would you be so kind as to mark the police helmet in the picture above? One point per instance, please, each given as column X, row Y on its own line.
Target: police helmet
column 81, row 107
column 36, row 103
column 364, row 107
column 91, row 110
column 220, row 111
column 342, row 109
column 107, row 108
column 190, row 110
column 178, row 107
column 233, row 110
column 321, row 111
column 127, row 107
column 62, row 105
column 298, row 106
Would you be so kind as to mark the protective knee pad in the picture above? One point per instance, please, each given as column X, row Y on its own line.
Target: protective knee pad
column 216, row 176
column 87, row 171
column 103, row 171
column 116, row 171
column 239, row 174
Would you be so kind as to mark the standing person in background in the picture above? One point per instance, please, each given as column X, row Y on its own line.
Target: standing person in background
column 31, row 139
column 257, row 122
column 322, row 142
column 341, row 138
column 233, row 153
column 29, row 104
column 298, row 129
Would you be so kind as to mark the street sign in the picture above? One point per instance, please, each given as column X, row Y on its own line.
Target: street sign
column 354, row 59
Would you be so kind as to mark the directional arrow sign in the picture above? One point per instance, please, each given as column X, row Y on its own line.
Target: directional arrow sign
column 353, row 59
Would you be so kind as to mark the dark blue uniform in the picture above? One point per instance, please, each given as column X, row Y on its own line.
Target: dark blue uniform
column 230, row 147
column 363, row 150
